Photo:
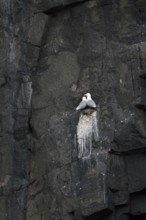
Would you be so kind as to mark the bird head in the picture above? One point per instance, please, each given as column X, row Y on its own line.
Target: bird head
column 88, row 95
column 84, row 98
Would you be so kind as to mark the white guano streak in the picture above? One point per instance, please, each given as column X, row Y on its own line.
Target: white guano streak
column 87, row 131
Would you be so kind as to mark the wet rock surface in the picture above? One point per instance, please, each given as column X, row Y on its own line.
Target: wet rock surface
column 51, row 53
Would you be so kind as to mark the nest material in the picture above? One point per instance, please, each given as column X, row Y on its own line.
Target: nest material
column 88, row 111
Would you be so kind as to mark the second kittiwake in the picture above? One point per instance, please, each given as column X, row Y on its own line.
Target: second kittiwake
column 89, row 101
column 83, row 104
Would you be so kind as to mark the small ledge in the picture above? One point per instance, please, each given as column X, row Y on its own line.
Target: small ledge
column 141, row 106
column 62, row 7
column 128, row 152
column 88, row 111
column 99, row 215
column 143, row 76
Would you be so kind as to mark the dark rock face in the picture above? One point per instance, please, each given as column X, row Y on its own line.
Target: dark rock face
column 56, row 163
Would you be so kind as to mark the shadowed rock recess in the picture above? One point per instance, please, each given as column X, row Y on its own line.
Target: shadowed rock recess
column 57, row 163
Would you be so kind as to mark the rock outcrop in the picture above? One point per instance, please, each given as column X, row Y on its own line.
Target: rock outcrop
column 51, row 53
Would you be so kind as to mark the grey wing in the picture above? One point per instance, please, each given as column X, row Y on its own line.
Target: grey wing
column 82, row 105
column 91, row 104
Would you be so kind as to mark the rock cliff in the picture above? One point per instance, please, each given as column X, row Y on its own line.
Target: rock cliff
column 58, row 163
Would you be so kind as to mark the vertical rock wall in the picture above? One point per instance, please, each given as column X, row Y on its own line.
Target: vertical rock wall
column 52, row 52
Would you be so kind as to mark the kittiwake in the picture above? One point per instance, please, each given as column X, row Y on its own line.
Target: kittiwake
column 89, row 101
column 82, row 104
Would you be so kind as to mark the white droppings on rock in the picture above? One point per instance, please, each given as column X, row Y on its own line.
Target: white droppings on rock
column 87, row 131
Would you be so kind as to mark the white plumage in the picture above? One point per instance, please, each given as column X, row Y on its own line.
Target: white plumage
column 87, row 101
column 82, row 104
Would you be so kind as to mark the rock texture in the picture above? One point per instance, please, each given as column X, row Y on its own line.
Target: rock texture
column 51, row 53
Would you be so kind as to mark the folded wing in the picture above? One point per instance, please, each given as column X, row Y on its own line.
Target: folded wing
column 91, row 103
column 82, row 105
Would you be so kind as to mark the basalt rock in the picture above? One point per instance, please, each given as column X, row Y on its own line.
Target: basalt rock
column 58, row 163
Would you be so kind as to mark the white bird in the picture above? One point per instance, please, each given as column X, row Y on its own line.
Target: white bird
column 83, row 104
column 89, row 101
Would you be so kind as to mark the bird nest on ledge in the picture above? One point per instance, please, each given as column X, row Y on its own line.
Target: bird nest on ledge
column 88, row 111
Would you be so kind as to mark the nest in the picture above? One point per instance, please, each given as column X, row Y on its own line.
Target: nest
column 88, row 111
